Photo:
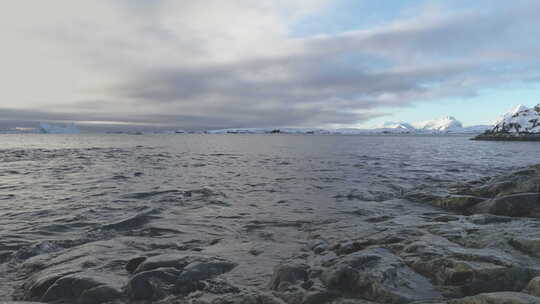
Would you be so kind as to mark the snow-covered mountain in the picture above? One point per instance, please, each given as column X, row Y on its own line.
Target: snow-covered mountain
column 442, row 124
column 446, row 124
column 519, row 119
column 437, row 126
column 403, row 126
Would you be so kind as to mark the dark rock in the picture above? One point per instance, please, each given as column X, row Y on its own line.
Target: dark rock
column 533, row 288
column 528, row 245
column 486, row 219
column 457, row 202
column 195, row 272
column 351, row 301
column 498, row 298
column 99, row 294
column 163, row 275
column 82, row 288
column 473, row 273
column 248, row 298
column 153, row 284
column 378, row 275
column 132, row 264
column 178, row 261
column 320, row 296
column 67, row 275
column 19, row 302
column 498, row 279
column 516, row 205
column 288, row 274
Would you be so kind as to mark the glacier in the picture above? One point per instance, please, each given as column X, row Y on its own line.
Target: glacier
column 69, row 128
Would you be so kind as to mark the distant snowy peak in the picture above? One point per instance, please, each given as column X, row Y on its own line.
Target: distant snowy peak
column 443, row 124
column 516, row 109
column 519, row 119
column 398, row 125
column 447, row 124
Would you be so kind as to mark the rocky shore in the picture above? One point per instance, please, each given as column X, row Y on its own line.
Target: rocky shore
column 507, row 137
column 475, row 243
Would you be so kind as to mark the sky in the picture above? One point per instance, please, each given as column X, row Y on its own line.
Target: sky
column 208, row 64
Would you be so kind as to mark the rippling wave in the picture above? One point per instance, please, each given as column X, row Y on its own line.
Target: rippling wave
column 249, row 198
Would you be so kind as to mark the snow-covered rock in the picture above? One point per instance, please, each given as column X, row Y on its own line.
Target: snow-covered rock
column 520, row 119
column 70, row 128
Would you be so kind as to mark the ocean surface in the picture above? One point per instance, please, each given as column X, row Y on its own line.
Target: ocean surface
column 249, row 198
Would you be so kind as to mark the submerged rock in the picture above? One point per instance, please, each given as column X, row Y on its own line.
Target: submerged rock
column 515, row 205
column 75, row 275
column 164, row 275
column 533, row 288
column 288, row 274
column 457, row 202
column 528, row 245
column 378, row 275
column 132, row 264
column 512, row 195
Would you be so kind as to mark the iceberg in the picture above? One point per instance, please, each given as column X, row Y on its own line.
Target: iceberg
column 48, row 128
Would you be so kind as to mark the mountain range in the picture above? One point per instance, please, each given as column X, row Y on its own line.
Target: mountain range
column 442, row 125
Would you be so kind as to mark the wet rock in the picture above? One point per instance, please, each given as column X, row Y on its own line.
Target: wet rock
column 288, row 274
column 80, row 274
column 19, row 302
column 457, row 202
column 351, row 301
column 153, row 284
column 248, row 298
column 423, row 196
column 378, row 275
column 522, row 181
column 515, row 205
column 533, row 288
column 99, row 294
column 498, row 279
column 528, row 245
column 82, row 288
column 320, row 296
column 195, row 272
column 486, row 219
column 498, row 298
column 493, row 189
column 164, row 275
column 469, row 272
column 178, row 261
column 132, row 264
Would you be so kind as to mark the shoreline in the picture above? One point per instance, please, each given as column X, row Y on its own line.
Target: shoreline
column 507, row 137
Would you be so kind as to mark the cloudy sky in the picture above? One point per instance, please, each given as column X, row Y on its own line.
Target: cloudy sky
column 240, row 63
